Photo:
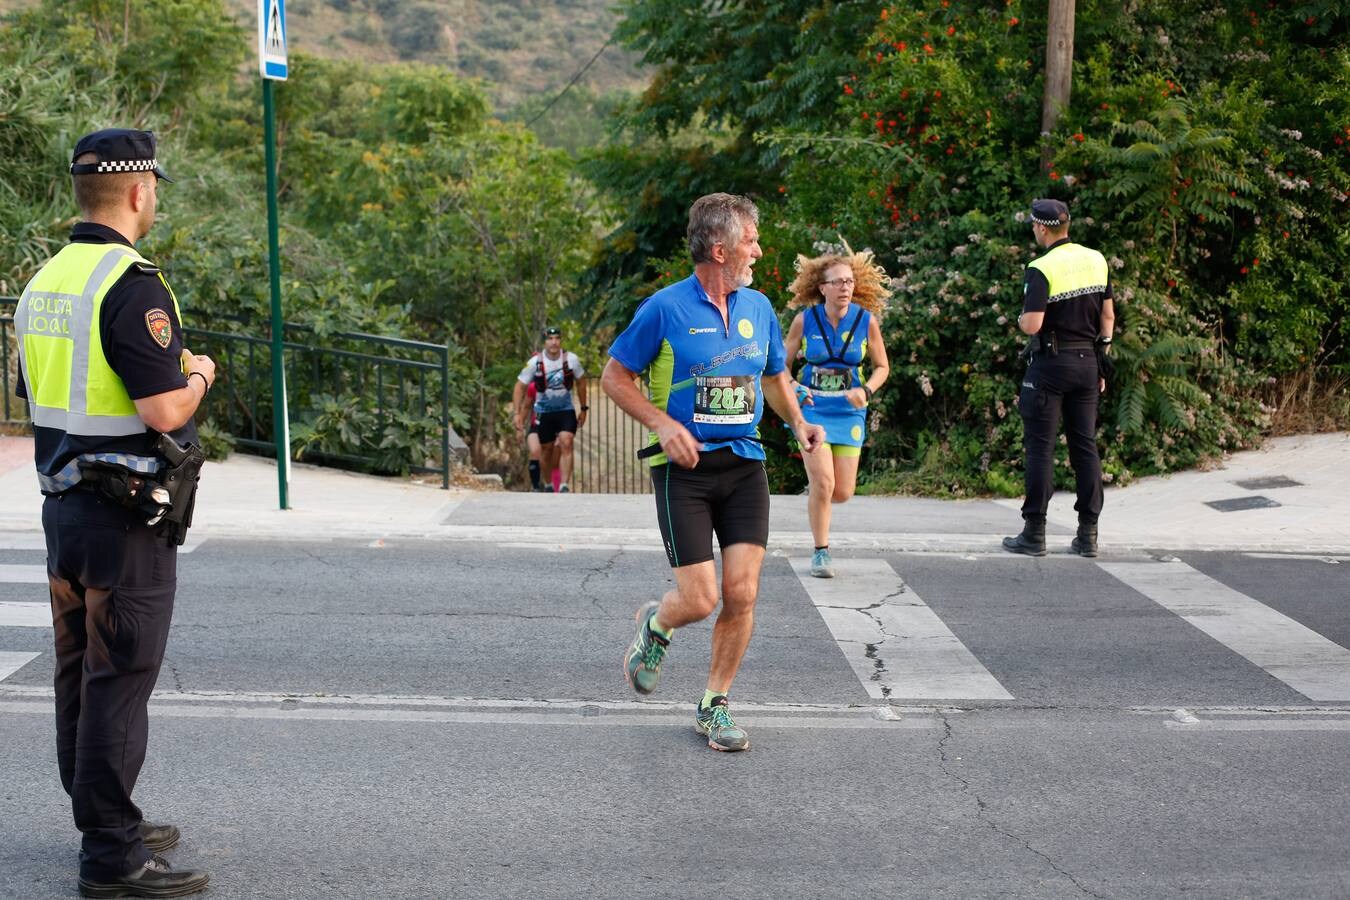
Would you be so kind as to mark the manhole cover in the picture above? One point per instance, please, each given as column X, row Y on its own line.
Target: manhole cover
column 1266, row 484
column 1237, row 503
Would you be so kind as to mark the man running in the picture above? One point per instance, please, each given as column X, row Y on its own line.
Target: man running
column 555, row 373
column 712, row 352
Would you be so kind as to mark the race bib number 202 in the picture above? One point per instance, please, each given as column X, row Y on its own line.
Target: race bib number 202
column 724, row 399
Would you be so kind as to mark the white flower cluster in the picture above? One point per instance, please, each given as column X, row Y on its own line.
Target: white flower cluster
column 925, row 385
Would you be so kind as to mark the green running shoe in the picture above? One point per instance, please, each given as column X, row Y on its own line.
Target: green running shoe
column 642, row 662
column 723, row 733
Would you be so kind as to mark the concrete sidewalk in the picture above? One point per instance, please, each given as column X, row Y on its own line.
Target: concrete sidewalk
column 1296, row 494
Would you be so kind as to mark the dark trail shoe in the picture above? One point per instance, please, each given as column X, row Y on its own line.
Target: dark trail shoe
column 642, row 662
column 723, row 733
column 154, row 879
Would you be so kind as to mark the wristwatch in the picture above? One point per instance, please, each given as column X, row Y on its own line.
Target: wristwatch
column 584, row 407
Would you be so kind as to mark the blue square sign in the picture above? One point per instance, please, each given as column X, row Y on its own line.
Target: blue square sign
column 272, row 39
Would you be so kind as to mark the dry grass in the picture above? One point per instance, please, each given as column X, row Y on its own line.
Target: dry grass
column 1307, row 402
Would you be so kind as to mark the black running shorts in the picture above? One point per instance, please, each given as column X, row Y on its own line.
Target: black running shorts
column 724, row 493
column 552, row 424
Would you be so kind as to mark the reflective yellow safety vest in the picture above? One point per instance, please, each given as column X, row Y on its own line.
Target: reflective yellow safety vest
column 71, row 387
column 1072, row 270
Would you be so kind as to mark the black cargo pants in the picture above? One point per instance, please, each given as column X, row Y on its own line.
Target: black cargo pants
column 112, row 588
column 1067, row 384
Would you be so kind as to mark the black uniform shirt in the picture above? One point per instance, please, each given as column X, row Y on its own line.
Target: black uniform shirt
column 133, row 311
column 1076, row 319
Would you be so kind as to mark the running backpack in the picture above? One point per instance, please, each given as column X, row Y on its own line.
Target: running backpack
column 541, row 379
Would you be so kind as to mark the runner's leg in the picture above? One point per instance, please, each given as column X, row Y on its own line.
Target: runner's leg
column 741, row 564
column 564, row 445
column 845, row 476
column 820, row 473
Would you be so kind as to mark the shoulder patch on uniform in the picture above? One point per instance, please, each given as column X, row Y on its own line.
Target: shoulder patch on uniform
column 146, row 268
column 160, row 326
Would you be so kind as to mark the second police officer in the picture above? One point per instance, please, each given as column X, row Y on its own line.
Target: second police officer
column 1068, row 311
column 112, row 393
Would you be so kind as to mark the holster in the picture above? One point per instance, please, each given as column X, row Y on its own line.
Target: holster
column 1106, row 366
column 1031, row 349
column 180, row 479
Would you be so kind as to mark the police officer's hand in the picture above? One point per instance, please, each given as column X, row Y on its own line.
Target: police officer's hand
column 201, row 365
column 678, row 444
column 857, row 397
column 810, row 437
column 1101, row 385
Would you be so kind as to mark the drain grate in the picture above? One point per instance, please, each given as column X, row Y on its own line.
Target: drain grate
column 1240, row 503
column 1266, row 484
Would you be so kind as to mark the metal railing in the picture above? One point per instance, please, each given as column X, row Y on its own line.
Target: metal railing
column 605, row 448
column 392, row 376
column 9, row 367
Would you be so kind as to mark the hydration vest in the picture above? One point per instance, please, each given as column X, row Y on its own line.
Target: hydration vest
column 541, row 379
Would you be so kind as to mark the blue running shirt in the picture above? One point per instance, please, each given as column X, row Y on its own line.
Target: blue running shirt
column 702, row 373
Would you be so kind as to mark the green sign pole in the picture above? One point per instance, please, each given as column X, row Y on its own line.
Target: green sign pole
column 281, row 429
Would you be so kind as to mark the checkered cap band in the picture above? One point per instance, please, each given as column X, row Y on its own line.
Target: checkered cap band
column 115, row 165
column 1039, row 221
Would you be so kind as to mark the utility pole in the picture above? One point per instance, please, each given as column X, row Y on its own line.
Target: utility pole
column 1058, row 69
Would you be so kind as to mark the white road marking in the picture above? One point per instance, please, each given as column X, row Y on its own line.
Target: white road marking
column 11, row 662
column 897, row 646
column 17, row 574
column 25, row 615
column 28, row 540
column 1295, row 654
column 1329, row 559
column 23, row 699
column 22, row 540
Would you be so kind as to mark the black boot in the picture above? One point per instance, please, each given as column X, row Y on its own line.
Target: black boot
column 1085, row 544
column 1031, row 542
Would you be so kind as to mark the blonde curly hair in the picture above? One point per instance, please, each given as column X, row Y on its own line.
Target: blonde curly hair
column 871, row 291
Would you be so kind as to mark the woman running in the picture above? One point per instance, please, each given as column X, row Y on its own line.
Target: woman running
column 841, row 298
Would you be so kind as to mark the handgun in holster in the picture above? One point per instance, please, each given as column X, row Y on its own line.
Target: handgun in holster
column 179, row 478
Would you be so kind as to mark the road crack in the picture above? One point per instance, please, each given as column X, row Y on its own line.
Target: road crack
column 982, row 809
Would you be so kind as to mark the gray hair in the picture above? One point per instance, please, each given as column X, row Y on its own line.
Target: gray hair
column 718, row 218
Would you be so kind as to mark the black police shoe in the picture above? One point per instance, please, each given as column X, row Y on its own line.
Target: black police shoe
column 1030, row 542
column 1085, row 542
column 154, row 879
column 158, row 838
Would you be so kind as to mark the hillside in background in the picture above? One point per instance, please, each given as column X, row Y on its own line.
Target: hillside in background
column 523, row 50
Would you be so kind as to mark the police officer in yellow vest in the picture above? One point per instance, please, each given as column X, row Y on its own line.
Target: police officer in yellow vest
column 112, row 392
column 1068, row 311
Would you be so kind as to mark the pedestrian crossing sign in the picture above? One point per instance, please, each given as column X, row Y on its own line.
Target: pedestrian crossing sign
column 272, row 39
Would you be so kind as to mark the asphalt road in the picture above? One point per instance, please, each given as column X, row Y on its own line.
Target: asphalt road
column 445, row 719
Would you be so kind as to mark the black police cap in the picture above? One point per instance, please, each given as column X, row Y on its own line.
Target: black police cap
column 1049, row 212
column 118, row 150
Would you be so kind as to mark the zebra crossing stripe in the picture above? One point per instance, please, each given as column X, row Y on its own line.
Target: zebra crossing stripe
column 1295, row 654
column 16, row 574
column 896, row 645
column 11, row 662
column 25, row 615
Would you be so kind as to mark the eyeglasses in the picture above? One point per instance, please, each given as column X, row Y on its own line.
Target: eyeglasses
column 840, row 282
